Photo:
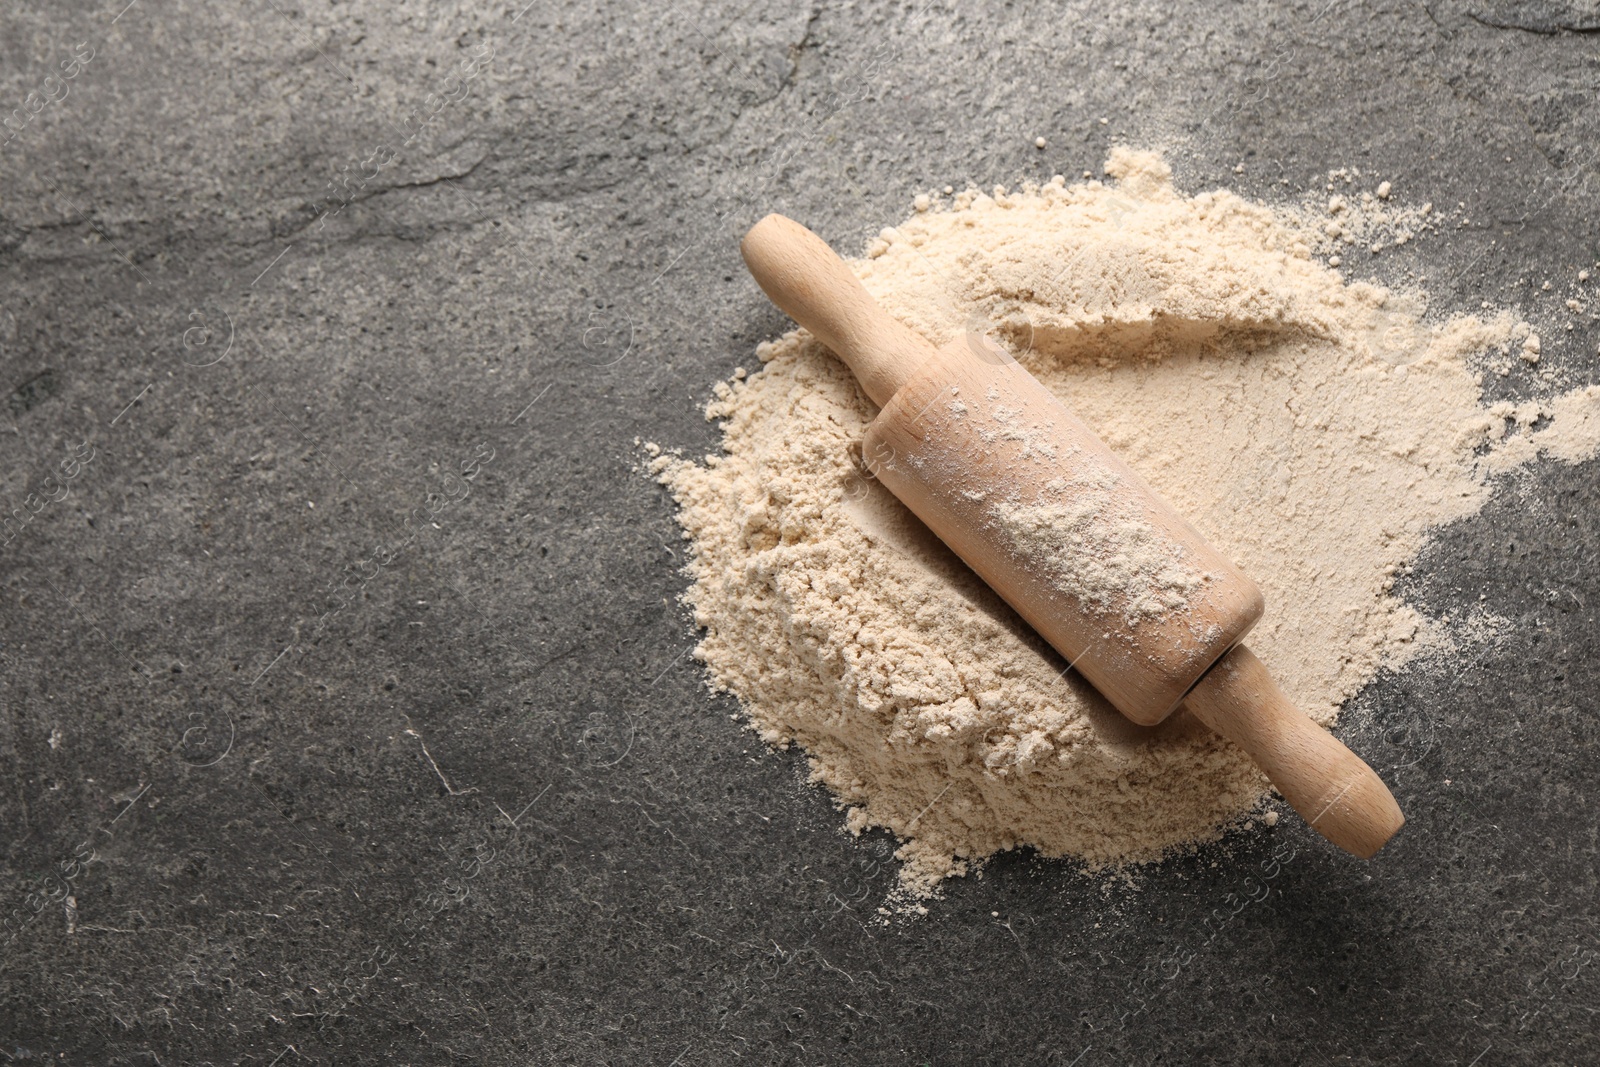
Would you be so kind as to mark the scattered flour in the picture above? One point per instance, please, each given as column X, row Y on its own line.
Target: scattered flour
column 1312, row 429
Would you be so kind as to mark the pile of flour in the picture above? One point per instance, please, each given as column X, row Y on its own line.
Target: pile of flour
column 1311, row 428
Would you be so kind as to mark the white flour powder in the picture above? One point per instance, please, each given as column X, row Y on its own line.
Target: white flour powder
column 1098, row 544
column 1312, row 429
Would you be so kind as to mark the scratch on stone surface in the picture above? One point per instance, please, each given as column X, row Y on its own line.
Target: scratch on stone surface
column 828, row 966
column 526, row 807
column 551, row 830
column 762, row 95
column 132, row 402
column 271, row 665
column 532, row 402
column 91, row 224
column 442, row 179
column 666, row 829
column 669, row 666
column 1020, row 946
column 315, row 47
column 557, row 658
column 274, row 263
column 1553, row 28
column 452, row 790
column 797, row 49
column 130, row 798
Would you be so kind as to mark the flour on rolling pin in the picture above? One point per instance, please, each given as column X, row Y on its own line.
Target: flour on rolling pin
column 1114, row 561
column 1088, row 536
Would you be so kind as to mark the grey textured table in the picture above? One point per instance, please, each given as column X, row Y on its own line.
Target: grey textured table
column 346, row 714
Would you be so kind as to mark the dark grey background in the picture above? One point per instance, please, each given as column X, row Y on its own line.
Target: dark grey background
column 285, row 266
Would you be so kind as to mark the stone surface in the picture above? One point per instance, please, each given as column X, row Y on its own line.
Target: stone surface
column 313, row 749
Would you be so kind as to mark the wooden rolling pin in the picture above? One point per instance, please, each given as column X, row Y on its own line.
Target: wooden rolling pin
column 1069, row 535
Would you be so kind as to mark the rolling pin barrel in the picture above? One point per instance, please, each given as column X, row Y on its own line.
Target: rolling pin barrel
column 1060, row 527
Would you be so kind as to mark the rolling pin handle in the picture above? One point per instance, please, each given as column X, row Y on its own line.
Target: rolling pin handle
column 1336, row 793
column 804, row 277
